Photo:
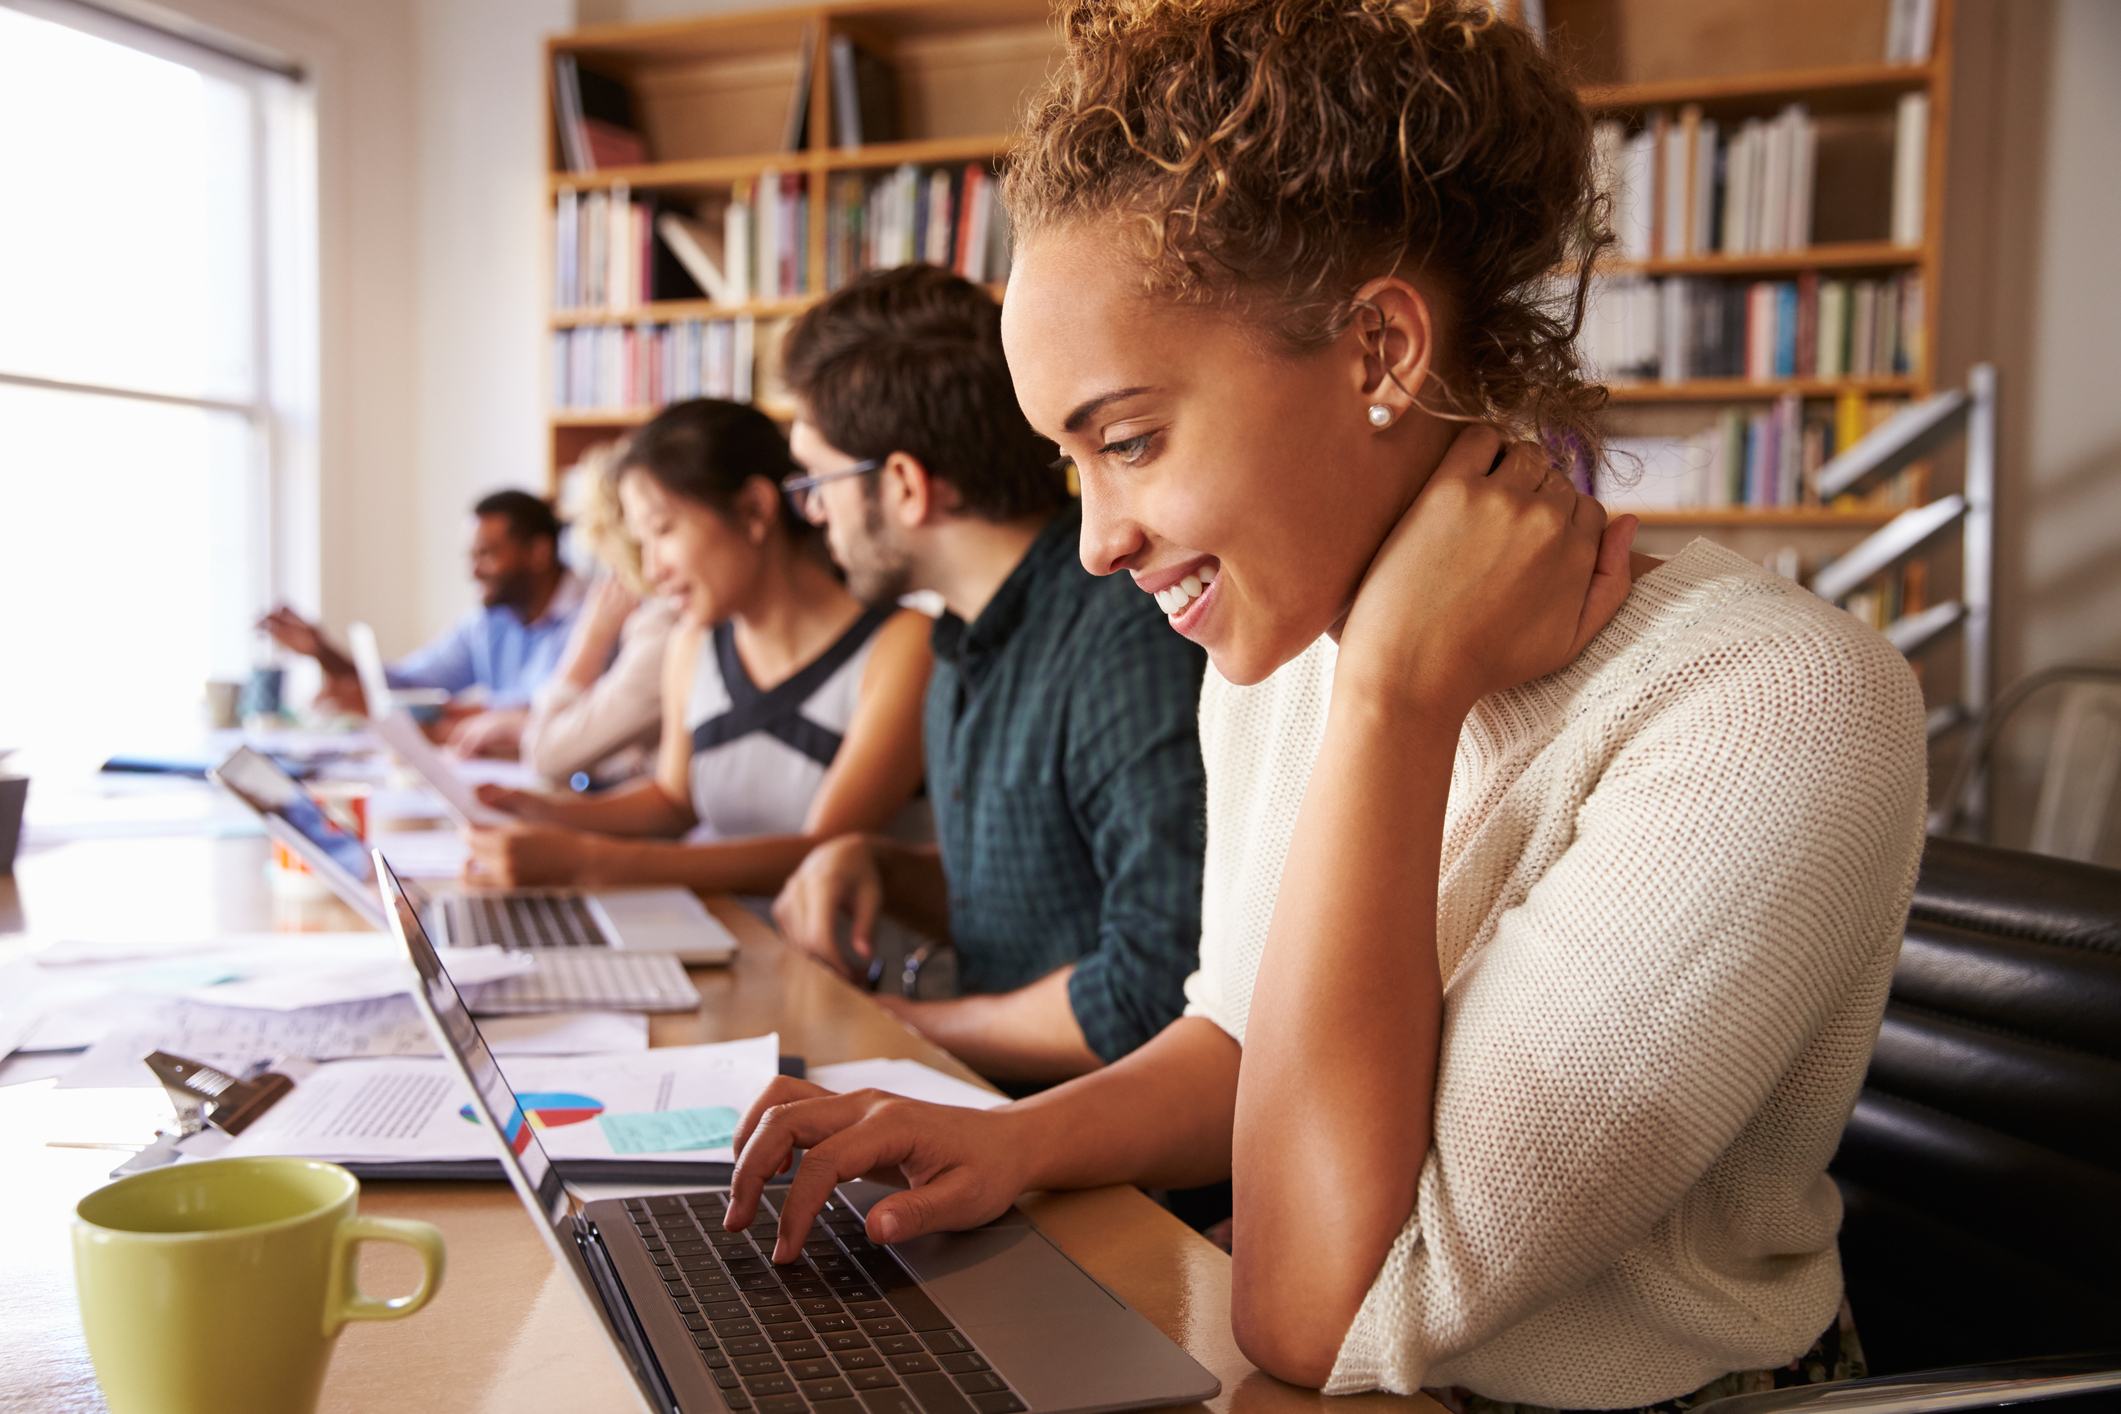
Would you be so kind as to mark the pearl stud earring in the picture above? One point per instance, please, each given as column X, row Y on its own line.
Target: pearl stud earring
column 1380, row 415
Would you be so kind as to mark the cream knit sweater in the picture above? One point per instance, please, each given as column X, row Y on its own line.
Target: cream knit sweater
column 1674, row 878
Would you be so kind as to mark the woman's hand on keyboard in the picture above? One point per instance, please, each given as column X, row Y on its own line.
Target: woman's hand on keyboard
column 960, row 1167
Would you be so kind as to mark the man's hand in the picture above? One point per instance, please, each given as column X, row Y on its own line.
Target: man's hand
column 520, row 856
column 839, row 876
column 497, row 732
column 342, row 685
column 296, row 634
column 960, row 1167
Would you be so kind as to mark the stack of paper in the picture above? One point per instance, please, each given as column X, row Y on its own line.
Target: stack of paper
column 671, row 1104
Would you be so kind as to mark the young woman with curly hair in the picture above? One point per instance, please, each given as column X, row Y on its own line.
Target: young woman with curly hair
column 1551, row 893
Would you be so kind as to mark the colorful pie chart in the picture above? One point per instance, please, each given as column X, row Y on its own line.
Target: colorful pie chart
column 548, row 1109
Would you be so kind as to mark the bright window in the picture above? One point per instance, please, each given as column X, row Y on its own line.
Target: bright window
column 156, row 373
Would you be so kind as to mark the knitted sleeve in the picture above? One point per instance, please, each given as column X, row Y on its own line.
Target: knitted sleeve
column 1745, row 848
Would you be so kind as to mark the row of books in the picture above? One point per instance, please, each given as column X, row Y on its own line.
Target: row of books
column 1683, row 327
column 1890, row 597
column 948, row 216
column 1761, row 458
column 615, row 251
column 616, row 368
column 1682, row 186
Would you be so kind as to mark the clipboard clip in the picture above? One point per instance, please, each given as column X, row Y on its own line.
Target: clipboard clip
column 204, row 1096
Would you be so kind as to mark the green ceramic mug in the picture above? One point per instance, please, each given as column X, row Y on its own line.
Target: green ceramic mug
column 220, row 1286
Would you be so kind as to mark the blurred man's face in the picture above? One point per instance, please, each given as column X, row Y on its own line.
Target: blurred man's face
column 510, row 572
column 865, row 545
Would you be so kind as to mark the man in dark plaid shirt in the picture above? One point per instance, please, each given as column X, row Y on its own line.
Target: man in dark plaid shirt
column 1063, row 760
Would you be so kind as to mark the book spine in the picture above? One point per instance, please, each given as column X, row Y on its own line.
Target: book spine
column 1807, row 331
column 564, row 221
column 1885, row 355
column 736, row 245
column 766, row 210
column 1911, row 123
column 1790, row 446
column 1913, row 333
column 1833, row 329
column 1863, row 329
column 1701, row 238
column 1672, row 309
column 1804, row 163
column 1785, row 329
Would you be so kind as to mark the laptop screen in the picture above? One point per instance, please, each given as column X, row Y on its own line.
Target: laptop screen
column 529, row 1167
column 271, row 791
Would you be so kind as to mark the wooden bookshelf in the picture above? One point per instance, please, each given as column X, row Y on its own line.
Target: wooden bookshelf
column 1839, row 255
column 1743, row 390
column 1784, row 517
column 713, row 93
column 1825, row 90
column 1740, row 59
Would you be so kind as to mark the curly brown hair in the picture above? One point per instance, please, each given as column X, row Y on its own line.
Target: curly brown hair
column 1281, row 153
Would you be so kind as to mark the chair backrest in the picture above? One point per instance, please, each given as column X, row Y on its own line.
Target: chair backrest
column 1982, row 1168
column 2083, row 763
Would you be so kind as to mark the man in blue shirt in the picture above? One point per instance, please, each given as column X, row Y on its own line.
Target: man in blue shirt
column 506, row 647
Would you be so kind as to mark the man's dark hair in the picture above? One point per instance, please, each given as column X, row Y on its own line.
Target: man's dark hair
column 910, row 360
column 529, row 517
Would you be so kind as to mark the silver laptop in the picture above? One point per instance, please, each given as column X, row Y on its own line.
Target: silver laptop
column 622, row 949
column 993, row 1321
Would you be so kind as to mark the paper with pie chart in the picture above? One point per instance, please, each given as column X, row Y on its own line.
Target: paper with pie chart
column 674, row 1102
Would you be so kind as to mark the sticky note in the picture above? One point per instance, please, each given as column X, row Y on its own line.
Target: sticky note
column 667, row 1131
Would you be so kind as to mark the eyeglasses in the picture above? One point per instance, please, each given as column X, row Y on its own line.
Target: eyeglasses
column 801, row 491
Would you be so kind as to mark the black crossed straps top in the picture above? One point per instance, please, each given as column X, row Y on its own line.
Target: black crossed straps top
column 759, row 755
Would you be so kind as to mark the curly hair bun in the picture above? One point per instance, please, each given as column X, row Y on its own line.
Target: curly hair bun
column 1285, row 152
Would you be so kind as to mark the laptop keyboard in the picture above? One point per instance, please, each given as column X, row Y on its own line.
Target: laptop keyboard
column 522, row 920
column 603, row 980
column 841, row 1330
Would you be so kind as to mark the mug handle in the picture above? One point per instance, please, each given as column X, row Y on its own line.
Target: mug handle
column 347, row 1303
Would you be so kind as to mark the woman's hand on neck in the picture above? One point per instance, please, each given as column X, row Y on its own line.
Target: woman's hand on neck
column 1499, row 572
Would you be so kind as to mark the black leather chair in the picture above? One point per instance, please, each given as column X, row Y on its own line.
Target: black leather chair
column 1982, row 1169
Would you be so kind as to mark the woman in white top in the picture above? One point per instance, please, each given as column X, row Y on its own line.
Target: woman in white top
column 791, row 711
column 599, row 716
column 1551, row 895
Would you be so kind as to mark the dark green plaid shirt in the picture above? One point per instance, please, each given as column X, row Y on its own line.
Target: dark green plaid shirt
column 1064, row 767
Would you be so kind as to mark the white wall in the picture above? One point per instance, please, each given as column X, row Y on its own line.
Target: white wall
column 2067, row 501
column 482, row 123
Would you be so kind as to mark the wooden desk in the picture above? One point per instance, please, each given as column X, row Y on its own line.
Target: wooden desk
column 507, row 1333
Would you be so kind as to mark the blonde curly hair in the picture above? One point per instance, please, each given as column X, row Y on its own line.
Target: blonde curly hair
column 1278, row 154
column 595, row 514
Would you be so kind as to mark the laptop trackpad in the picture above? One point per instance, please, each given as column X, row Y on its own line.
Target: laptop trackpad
column 1037, row 1316
column 659, row 920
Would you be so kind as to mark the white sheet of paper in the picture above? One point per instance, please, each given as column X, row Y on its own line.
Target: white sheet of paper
column 408, row 1109
column 80, row 998
column 439, row 771
column 905, row 1077
column 424, row 854
column 234, row 1039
